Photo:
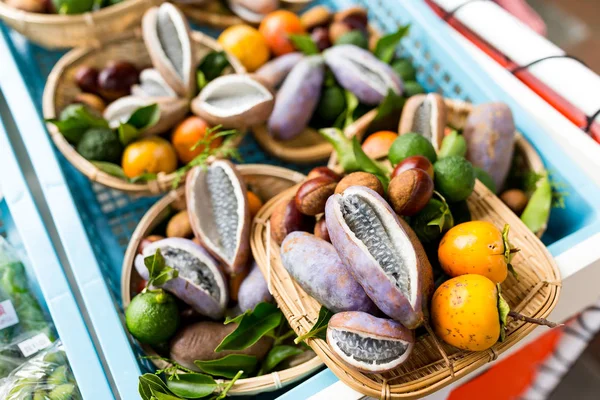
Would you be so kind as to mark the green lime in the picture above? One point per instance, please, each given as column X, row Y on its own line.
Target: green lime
column 356, row 37
column 454, row 178
column 73, row 6
column 411, row 144
column 405, row 69
column 485, row 178
column 152, row 317
column 100, row 144
column 332, row 103
column 412, row 88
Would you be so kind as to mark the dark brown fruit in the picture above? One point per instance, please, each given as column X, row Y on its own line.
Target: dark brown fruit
column 324, row 171
column 410, row 191
column 286, row 219
column 321, row 230
column 87, row 79
column 515, row 199
column 360, row 179
column 313, row 194
column 116, row 79
column 320, row 36
column 414, row 162
column 354, row 17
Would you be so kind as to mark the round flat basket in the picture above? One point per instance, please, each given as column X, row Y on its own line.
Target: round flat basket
column 457, row 112
column 534, row 294
column 218, row 15
column 266, row 182
column 88, row 29
column 61, row 90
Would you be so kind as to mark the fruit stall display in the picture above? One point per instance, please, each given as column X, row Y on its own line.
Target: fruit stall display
column 69, row 23
column 411, row 178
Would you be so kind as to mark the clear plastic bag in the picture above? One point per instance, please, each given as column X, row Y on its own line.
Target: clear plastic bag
column 24, row 329
column 46, row 376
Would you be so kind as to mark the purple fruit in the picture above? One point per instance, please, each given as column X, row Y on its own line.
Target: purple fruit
column 297, row 99
column 382, row 253
column 200, row 282
column 363, row 74
column 368, row 343
column 253, row 290
column 275, row 71
column 317, row 268
column 490, row 136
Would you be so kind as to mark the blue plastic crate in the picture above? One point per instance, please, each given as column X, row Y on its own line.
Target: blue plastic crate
column 106, row 219
column 21, row 225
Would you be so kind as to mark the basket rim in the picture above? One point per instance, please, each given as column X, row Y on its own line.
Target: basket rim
column 164, row 181
column 60, row 19
column 146, row 222
column 468, row 361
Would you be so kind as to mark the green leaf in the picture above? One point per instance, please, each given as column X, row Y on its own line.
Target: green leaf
column 149, row 384
column 537, row 211
column 342, row 146
column 351, row 105
column 165, row 275
column 74, row 120
column 368, row 165
column 229, row 365
column 127, row 133
column 503, row 310
column 192, row 386
column 164, row 396
column 390, row 103
column 212, row 66
column 155, row 264
column 144, row 390
column 453, row 145
column 278, row 354
column 264, row 318
column 144, row 117
column 304, row 43
column 319, row 328
column 386, row 45
column 145, row 177
column 237, row 319
column 110, row 168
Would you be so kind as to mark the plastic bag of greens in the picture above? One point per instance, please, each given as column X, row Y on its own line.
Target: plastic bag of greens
column 24, row 329
column 47, row 376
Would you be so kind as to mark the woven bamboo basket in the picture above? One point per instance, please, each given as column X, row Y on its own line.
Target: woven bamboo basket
column 534, row 294
column 218, row 15
column 457, row 112
column 88, row 29
column 264, row 180
column 61, row 90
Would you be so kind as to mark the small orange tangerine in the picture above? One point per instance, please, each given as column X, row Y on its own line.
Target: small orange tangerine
column 378, row 144
column 187, row 134
column 276, row 28
column 247, row 44
column 149, row 155
column 254, row 203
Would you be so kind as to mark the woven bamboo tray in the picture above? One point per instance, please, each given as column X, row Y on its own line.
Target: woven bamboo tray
column 218, row 15
column 88, row 29
column 534, row 294
column 264, row 180
column 61, row 90
column 457, row 113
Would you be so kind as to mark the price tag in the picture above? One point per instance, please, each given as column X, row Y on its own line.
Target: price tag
column 8, row 315
column 31, row 346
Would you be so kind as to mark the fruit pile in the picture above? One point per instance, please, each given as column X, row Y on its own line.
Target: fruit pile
column 65, row 7
column 203, row 304
column 328, row 68
column 251, row 11
column 117, row 119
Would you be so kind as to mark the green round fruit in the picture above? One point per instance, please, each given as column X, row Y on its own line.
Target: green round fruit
column 73, row 6
column 454, row 178
column 405, row 69
column 100, row 144
column 331, row 104
column 486, row 179
column 152, row 317
column 356, row 37
column 412, row 88
column 411, row 144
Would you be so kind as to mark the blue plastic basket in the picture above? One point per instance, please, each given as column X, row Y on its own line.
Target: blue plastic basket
column 21, row 224
column 94, row 238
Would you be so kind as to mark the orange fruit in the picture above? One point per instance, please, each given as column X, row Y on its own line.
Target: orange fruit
column 149, row 155
column 378, row 144
column 276, row 27
column 254, row 203
column 247, row 44
column 187, row 134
